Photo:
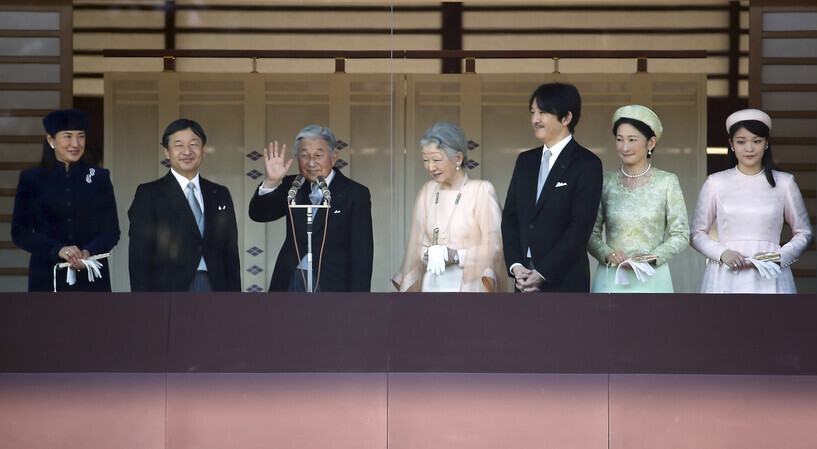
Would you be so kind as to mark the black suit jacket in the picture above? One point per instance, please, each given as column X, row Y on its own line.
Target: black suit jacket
column 349, row 249
column 558, row 226
column 165, row 243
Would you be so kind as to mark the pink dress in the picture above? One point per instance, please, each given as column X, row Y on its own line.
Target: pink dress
column 749, row 216
column 470, row 226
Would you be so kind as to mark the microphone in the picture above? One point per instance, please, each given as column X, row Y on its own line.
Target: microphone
column 327, row 195
column 296, row 184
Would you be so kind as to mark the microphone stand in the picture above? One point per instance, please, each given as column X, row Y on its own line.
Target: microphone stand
column 309, row 212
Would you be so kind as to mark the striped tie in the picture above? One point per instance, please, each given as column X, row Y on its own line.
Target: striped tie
column 194, row 206
column 543, row 173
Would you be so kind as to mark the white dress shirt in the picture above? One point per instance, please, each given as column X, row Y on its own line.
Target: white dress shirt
column 183, row 184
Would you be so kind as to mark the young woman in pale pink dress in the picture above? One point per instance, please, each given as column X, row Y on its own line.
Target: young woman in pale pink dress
column 455, row 243
column 748, row 204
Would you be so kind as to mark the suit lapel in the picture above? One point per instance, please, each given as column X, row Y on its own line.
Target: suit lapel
column 178, row 202
column 208, row 197
column 533, row 172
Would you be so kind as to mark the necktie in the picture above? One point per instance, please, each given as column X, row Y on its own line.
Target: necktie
column 194, row 205
column 316, row 196
column 543, row 173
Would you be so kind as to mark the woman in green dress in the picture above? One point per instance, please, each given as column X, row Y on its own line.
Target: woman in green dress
column 642, row 212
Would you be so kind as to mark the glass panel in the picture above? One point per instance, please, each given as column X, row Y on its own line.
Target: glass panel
column 794, row 21
column 370, row 159
column 21, row 152
column 24, row 20
column 789, row 101
column 30, row 99
column 787, row 74
column 134, row 126
column 790, row 48
column 30, row 73
column 794, row 127
column 21, row 126
column 29, row 46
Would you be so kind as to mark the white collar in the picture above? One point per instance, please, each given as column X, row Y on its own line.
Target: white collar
column 184, row 181
column 556, row 149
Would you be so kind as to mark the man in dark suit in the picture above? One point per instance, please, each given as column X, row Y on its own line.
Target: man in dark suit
column 345, row 262
column 553, row 199
column 183, row 233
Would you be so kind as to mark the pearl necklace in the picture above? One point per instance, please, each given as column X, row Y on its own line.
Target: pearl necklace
column 750, row 176
column 649, row 166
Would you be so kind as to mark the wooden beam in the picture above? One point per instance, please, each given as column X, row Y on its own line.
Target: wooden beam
column 788, row 87
column 734, row 48
column 16, row 166
column 407, row 54
column 451, row 30
column 66, row 84
column 170, row 24
column 756, row 60
column 787, row 61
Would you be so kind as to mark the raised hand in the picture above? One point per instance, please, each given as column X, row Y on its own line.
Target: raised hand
column 274, row 164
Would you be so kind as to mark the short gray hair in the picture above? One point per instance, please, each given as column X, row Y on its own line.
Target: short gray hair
column 316, row 132
column 448, row 137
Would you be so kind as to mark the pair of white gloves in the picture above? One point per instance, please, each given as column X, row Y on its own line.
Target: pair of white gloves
column 437, row 257
column 92, row 266
column 768, row 269
column 643, row 272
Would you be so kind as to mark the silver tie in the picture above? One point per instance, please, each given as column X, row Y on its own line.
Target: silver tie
column 194, row 205
column 315, row 196
column 543, row 173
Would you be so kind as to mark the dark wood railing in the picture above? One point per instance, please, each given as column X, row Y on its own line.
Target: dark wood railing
column 470, row 56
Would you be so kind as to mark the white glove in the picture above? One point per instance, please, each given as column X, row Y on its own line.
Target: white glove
column 642, row 270
column 92, row 267
column 437, row 257
column 767, row 269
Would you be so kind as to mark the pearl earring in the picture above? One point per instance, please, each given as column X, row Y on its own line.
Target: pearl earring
column 52, row 145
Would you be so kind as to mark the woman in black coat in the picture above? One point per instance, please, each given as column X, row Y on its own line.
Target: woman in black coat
column 65, row 209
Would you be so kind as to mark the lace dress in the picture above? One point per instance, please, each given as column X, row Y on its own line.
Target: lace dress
column 749, row 215
column 640, row 216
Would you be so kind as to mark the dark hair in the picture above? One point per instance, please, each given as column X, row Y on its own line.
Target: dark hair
column 49, row 159
column 558, row 99
column 182, row 124
column 642, row 127
column 760, row 129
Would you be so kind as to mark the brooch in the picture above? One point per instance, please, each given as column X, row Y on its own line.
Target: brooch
column 90, row 175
